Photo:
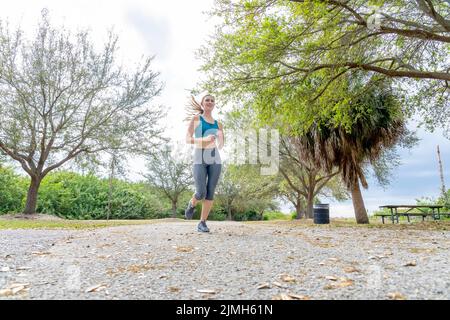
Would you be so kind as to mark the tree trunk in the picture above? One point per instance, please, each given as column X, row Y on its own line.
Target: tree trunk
column 110, row 191
column 174, row 209
column 298, row 210
column 229, row 217
column 310, row 205
column 358, row 204
column 30, row 206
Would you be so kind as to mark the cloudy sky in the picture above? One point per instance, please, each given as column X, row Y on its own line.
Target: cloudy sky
column 172, row 31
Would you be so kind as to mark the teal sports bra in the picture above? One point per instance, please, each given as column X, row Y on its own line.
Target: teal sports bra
column 205, row 128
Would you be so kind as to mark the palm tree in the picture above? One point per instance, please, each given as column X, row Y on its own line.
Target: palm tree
column 378, row 124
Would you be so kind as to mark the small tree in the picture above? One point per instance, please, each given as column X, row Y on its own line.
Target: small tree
column 61, row 99
column 228, row 189
column 303, row 180
column 170, row 173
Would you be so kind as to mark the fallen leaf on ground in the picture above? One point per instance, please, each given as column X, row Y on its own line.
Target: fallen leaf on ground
column 290, row 296
column 96, row 288
column 410, row 264
column 39, row 253
column 282, row 296
column 338, row 285
column 350, row 270
column 174, row 289
column 287, row 278
column 209, row 291
column 185, row 249
column 396, row 296
column 6, row 292
column 299, row 297
column 264, row 286
column 23, row 268
column 332, row 278
column 14, row 289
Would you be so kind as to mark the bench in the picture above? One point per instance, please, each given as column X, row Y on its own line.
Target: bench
column 394, row 214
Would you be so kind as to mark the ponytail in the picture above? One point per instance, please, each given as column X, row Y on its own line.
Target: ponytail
column 194, row 108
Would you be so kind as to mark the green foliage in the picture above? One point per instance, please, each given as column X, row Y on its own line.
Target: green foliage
column 287, row 59
column 12, row 190
column 74, row 196
column 277, row 215
column 250, row 215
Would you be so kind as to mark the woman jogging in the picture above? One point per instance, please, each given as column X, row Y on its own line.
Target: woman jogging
column 207, row 136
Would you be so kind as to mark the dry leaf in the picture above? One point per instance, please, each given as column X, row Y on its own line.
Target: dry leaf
column 287, row 278
column 96, row 288
column 410, row 264
column 209, row 291
column 282, row 296
column 185, row 249
column 6, row 292
column 396, row 296
column 264, row 286
column 342, row 284
column 350, row 270
column 16, row 285
column 39, row 253
column 23, row 268
column 298, row 297
column 332, row 278
column 174, row 289
column 17, row 289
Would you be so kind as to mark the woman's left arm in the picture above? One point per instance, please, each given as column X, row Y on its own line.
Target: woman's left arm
column 220, row 136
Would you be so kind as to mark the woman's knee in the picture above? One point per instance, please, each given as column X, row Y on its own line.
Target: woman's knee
column 200, row 194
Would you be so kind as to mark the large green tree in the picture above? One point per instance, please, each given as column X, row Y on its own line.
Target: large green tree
column 278, row 50
column 61, row 99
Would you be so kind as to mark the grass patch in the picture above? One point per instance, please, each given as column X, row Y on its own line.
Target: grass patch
column 70, row 224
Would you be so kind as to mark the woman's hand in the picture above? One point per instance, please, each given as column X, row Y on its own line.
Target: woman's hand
column 210, row 138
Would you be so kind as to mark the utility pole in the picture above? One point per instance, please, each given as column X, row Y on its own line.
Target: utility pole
column 441, row 173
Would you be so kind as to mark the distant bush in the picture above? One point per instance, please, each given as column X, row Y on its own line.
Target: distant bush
column 12, row 191
column 276, row 215
column 250, row 215
column 74, row 196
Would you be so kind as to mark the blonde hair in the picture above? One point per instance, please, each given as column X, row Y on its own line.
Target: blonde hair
column 194, row 108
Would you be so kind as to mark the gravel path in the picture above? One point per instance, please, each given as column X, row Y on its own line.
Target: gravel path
column 170, row 260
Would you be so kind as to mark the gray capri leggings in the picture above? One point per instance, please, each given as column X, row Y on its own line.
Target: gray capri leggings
column 207, row 168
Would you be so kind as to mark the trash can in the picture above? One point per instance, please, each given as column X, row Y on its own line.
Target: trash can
column 322, row 213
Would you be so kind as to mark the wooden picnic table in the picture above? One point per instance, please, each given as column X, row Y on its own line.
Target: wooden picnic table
column 435, row 211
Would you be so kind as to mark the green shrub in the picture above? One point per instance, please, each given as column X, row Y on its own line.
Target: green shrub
column 249, row 215
column 74, row 196
column 12, row 191
column 276, row 215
